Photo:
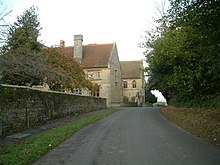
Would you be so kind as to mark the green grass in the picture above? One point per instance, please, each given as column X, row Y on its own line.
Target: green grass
column 34, row 147
column 202, row 123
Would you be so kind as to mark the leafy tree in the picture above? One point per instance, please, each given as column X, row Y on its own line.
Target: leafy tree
column 25, row 61
column 21, row 61
column 27, row 68
column 72, row 71
column 149, row 97
column 24, row 33
column 184, row 57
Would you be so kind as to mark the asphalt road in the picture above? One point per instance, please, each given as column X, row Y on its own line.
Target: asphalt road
column 134, row 136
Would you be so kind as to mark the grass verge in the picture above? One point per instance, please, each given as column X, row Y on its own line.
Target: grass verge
column 202, row 123
column 34, row 147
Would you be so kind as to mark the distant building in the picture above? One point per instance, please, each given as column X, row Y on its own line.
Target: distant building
column 116, row 81
column 133, row 81
column 101, row 65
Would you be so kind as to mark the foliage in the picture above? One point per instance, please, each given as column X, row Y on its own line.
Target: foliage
column 24, row 61
column 21, row 61
column 73, row 72
column 27, row 68
column 149, row 97
column 24, row 33
column 32, row 148
column 49, row 66
column 184, row 58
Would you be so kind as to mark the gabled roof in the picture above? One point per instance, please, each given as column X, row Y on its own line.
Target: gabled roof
column 94, row 55
column 131, row 69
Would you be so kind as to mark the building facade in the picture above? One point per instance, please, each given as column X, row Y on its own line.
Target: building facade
column 133, row 82
column 101, row 64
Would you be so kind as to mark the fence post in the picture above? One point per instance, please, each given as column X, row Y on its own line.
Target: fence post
column 27, row 117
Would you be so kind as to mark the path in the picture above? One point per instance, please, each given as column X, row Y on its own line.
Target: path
column 134, row 136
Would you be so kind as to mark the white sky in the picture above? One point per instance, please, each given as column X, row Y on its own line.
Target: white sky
column 99, row 21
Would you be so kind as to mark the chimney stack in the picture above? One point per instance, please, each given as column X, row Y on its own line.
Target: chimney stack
column 62, row 43
column 78, row 47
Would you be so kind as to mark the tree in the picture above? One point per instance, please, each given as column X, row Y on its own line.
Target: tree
column 3, row 25
column 25, row 62
column 149, row 97
column 72, row 71
column 24, row 33
column 27, row 68
column 21, row 60
column 49, row 66
column 184, row 57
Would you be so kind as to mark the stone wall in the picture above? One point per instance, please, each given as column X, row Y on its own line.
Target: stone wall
column 23, row 107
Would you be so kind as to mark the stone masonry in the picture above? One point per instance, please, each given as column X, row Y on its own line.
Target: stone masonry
column 23, row 107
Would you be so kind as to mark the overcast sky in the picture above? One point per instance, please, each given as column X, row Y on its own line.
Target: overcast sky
column 99, row 21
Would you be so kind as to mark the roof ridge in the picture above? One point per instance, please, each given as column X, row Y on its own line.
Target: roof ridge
column 91, row 45
column 67, row 46
column 96, row 44
column 132, row 61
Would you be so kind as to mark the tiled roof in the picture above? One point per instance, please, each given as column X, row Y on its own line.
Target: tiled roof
column 131, row 69
column 94, row 55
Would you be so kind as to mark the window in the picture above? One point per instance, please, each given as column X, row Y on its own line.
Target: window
column 125, row 84
column 99, row 75
column 90, row 74
column 90, row 93
column 116, row 74
column 97, row 92
column 77, row 91
column 134, row 84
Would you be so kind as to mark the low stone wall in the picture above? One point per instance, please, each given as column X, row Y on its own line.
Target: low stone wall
column 23, row 107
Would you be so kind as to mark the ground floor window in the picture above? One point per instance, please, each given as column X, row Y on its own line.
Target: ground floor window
column 77, row 91
column 97, row 91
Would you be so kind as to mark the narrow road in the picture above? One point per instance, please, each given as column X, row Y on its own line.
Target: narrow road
column 133, row 136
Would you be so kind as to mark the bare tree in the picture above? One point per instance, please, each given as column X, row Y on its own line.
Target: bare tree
column 4, row 11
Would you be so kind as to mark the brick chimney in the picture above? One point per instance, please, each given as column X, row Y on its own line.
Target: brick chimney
column 62, row 43
column 78, row 47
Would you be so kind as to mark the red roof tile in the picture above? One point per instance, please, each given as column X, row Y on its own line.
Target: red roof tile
column 94, row 55
column 131, row 69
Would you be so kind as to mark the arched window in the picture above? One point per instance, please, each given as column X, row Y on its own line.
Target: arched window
column 125, row 84
column 134, row 84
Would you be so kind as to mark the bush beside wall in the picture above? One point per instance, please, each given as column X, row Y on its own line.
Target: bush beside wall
column 23, row 107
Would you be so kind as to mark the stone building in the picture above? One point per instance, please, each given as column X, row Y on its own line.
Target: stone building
column 101, row 64
column 133, row 81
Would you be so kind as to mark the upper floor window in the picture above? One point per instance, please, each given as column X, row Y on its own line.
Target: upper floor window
column 90, row 74
column 134, row 85
column 99, row 75
column 125, row 84
column 116, row 73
